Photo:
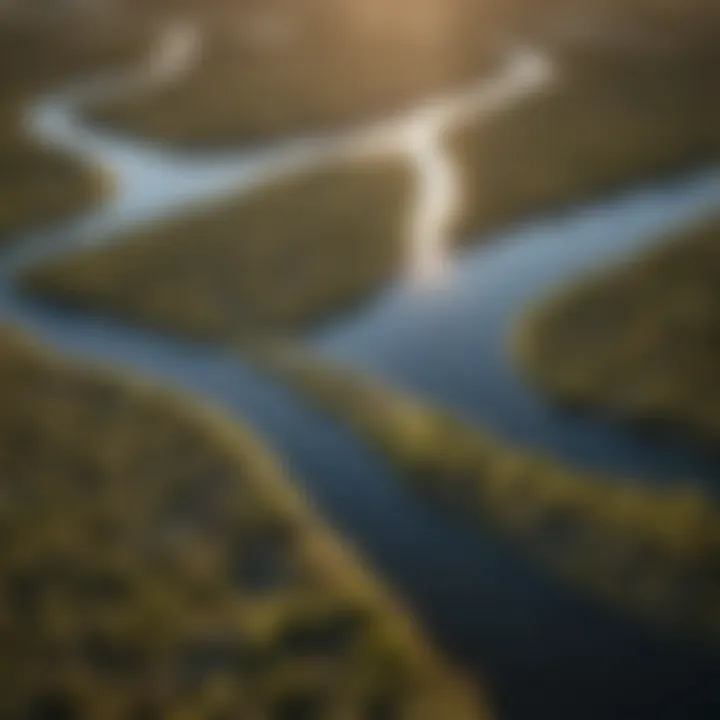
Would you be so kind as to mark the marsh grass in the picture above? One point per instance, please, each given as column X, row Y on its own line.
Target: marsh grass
column 265, row 263
column 653, row 552
column 154, row 560
column 640, row 340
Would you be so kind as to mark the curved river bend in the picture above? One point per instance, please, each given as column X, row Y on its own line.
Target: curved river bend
column 546, row 652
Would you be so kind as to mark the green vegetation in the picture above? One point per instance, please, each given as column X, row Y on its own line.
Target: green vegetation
column 154, row 562
column 642, row 340
column 651, row 551
column 272, row 261
column 38, row 51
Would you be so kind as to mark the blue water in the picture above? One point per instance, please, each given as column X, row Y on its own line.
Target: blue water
column 545, row 651
column 450, row 343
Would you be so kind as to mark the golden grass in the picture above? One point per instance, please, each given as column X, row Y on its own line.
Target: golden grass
column 653, row 552
column 283, row 67
column 641, row 340
column 270, row 262
column 154, row 560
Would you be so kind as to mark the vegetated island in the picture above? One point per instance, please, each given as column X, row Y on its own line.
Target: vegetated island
column 651, row 551
column 640, row 340
column 272, row 261
column 155, row 561
column 41, row 48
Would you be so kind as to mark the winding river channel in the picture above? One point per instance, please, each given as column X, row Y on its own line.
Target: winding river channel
column 545, row 651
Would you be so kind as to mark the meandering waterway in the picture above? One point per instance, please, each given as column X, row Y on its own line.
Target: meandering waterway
column 546, row 652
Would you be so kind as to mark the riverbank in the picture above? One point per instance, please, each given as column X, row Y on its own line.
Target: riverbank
column 649, row 551
column 638, row 341
column 148, row 536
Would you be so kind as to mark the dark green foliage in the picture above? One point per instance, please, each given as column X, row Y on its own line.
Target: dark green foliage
column 125, row 515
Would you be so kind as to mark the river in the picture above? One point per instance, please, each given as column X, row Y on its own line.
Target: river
column 544, row 651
